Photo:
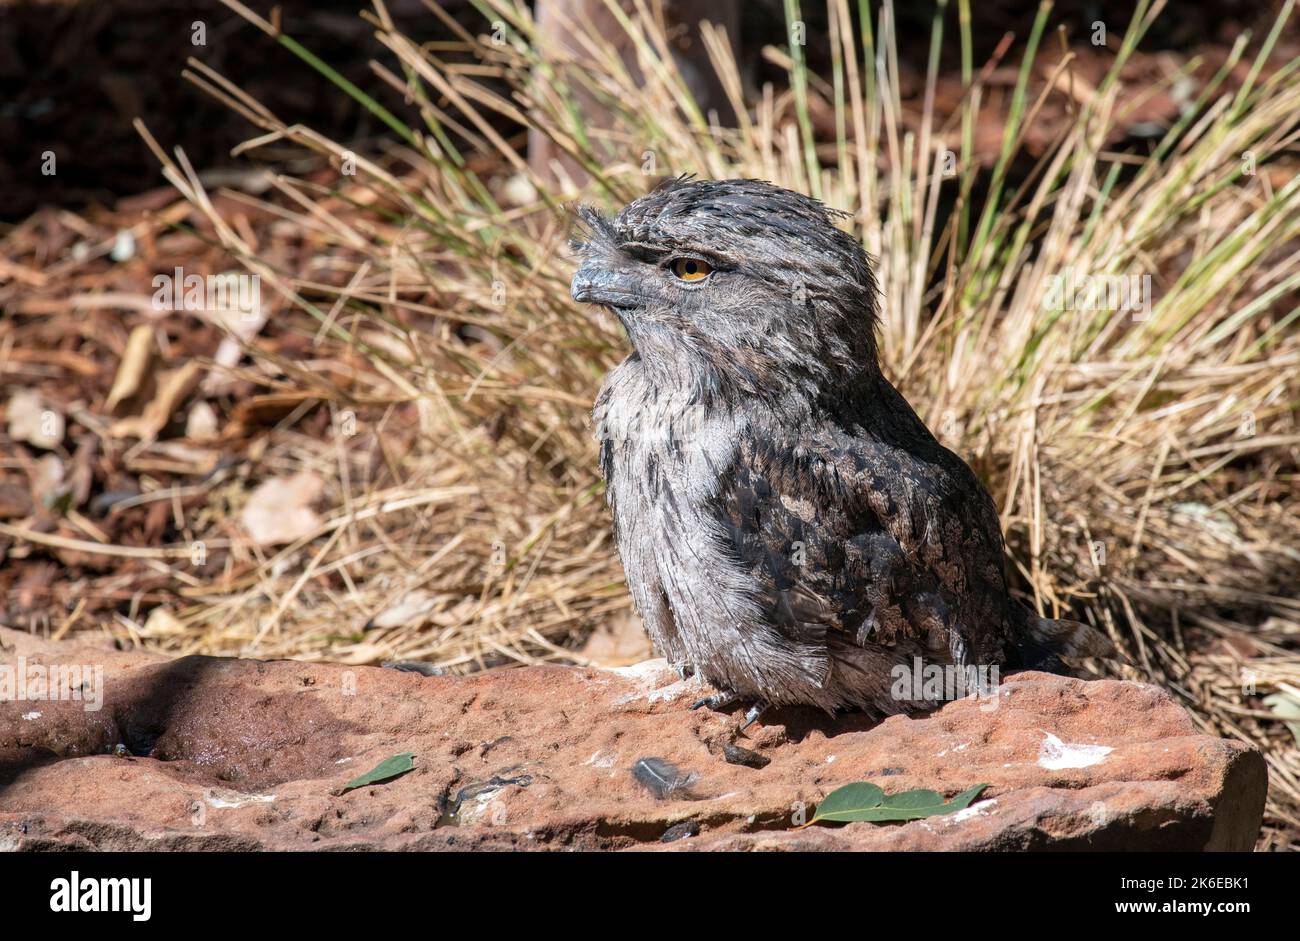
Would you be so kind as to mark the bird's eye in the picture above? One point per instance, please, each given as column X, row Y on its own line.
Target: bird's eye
column 691, row 269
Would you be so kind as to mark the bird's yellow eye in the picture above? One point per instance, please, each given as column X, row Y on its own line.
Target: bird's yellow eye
column 691, row 269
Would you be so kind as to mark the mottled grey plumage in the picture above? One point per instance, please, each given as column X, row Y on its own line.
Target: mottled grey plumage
column 789, row 528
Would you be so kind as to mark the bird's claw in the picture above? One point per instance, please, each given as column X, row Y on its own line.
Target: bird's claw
column 752, row 714
column 716, row 701
column 726, row 698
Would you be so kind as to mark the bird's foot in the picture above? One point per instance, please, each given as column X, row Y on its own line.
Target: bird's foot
column 726, row 698
column 717, row 700
column 752, row 714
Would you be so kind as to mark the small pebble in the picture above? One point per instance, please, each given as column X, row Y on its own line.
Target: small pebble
column 123, row 246
column 735, row 755
column 680, row 831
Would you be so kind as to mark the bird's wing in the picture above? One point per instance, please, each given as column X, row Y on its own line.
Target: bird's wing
column 847, row 533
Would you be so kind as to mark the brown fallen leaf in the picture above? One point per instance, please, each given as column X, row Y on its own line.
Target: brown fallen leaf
column 201, row 422
column 162, row 623
column 133, row 372
column 259, row 411
column 174, row 386
column 33, row 420
column 280, row 511
column 618, row 642
column 411, row 610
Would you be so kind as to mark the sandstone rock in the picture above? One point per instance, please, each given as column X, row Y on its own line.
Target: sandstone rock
column 243, row 754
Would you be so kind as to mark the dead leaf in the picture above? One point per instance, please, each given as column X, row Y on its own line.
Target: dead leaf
column 618, row 642
column 174, row 386
column 162, row 623
column 201, row 422
column 279, row 510
column 133, row 373
column 413, row 610
column 32, row 420
column 1286, row 708
column 258, row 411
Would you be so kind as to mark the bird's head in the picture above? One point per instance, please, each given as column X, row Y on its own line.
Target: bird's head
column 734, row 286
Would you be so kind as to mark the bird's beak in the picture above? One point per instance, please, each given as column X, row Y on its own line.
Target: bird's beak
column 596, row 284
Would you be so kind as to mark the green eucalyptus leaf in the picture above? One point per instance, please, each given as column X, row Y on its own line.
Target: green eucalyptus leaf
column 1286, row 708
column 842, row 804
column 916, row 799
column 386, row 770
column 964, row 799
column 858, row 802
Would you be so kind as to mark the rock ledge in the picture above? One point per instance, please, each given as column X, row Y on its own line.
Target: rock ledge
column 214, row 754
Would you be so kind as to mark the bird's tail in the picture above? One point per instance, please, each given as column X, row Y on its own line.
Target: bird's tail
column 1068, row 638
